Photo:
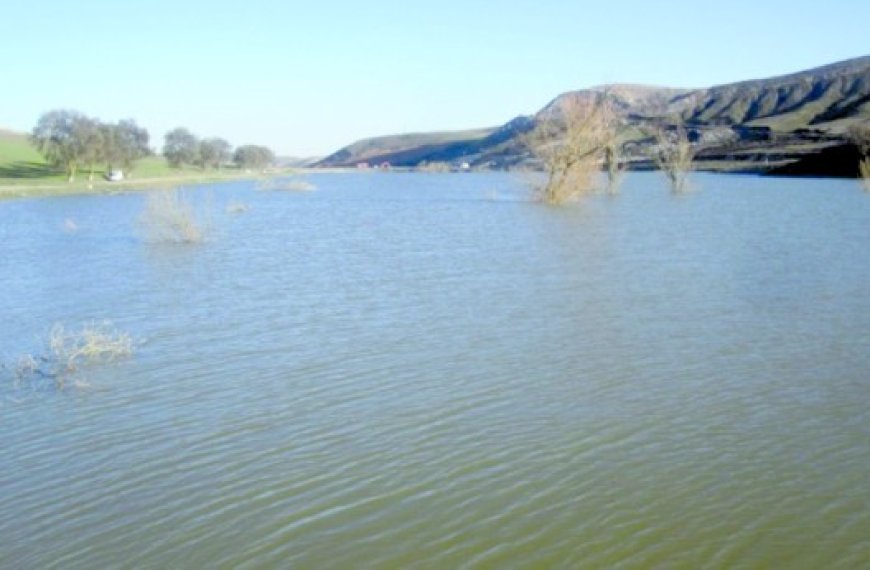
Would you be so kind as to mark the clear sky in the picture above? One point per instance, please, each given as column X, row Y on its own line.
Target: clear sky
column 306, row 78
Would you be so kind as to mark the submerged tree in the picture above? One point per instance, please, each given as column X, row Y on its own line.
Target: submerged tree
column 674, row 155
column 860, row 137
column 574, row 135
column 614, row 163
column 864, row 170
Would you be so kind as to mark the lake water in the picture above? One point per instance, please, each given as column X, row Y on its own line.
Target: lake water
column 404, row 370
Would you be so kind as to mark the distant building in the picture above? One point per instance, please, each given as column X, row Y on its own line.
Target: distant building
column 114, row 176
column 362, row 165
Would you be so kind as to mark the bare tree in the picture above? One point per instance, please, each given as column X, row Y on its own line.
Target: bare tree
column 860, row 137
column 571, row 139
column 614, row 163
column 674, row 155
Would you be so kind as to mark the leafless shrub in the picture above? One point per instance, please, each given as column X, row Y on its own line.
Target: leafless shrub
column 864, row 169
column 237, row 208
column 433, row 167
column 674, row 155
column 613, row 159
column 299, row 186
column 21, row 370
column 170, row 218
column 860, row 136
column 68, row 351
column 265, row 184
column 614, row 166
column 93, row 343
column 572, row 139
column 25, row 366
column 292, row 185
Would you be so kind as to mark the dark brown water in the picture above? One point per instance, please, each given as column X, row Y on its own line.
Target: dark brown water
column 430, row 371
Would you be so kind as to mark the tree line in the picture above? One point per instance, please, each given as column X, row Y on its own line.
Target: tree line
column 70, row 140
column 73, row 141
column 183, row 147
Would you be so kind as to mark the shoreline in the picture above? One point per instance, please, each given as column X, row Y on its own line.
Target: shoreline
column 25, row 189
column 101, row 186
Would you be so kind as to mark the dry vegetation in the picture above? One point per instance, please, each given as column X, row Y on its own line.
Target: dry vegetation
column 573, row 139
column 860, row 137
column 93, row 343
column 674, row 155
column 433, row 167
column 69, row 351
column 614, row 163
column 864, row 169
column 614, row 166
column 291, row 185
column 237, row 208
column 170, row 218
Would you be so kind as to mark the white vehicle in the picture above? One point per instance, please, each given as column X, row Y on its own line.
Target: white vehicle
column 114, row 176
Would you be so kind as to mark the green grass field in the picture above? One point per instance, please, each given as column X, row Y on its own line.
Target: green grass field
column 21, row 163
column 24, row 171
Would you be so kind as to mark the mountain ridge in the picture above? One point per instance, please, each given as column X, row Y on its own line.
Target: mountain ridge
column 784, row 117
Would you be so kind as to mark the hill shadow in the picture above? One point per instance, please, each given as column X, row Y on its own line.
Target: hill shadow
column 22, row 169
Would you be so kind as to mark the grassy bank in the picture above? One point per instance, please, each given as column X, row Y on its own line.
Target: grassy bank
column 24, row 172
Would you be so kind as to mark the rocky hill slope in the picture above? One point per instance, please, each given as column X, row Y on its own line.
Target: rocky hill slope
column 750, row 125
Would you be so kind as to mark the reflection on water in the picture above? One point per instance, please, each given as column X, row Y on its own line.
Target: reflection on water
column 401, row 370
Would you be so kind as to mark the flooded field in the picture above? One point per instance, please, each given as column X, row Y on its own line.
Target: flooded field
column 410, row 370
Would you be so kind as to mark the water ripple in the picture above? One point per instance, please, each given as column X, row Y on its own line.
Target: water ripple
column 379, row 376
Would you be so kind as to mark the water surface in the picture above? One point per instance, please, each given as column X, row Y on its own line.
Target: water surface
column 403, row 370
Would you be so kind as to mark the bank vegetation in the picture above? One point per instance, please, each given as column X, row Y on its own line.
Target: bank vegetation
column 74, row 142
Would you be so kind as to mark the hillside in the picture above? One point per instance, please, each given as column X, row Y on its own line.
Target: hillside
column 22, row 164
column 17, row 155
column 748, row 125
column 819, row 98
column 371, row 150
column 23, row 171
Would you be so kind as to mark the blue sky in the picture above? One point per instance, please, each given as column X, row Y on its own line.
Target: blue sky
column 309, row 77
